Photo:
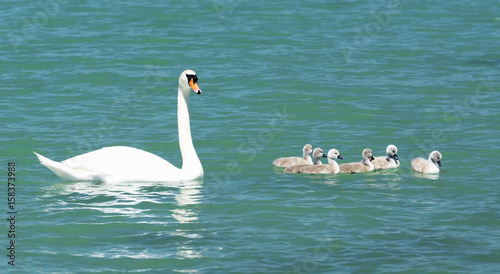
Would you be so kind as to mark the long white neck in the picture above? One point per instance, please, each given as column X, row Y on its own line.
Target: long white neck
column 190, row 162
column 307, row 157
column 430, row 159
column 391, row 158
column 334, row 164
column 368, row 163
column 317, row 161
column 432, row 163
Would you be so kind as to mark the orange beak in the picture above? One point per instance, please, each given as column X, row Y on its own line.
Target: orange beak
column 194, row 86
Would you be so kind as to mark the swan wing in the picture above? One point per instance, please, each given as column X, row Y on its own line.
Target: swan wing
column 352, row 168
column 381, row 162
column 287, row 161
column 424, row 166
column 120, row 161
column 293, row 168
column 68, row 173
column 317, row 169
column 418, row 164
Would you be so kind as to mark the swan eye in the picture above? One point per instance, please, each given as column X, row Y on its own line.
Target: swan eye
column 192, row 77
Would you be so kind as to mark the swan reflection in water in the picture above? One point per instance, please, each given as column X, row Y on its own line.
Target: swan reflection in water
column 431, row 176
column 144, row 203
column 128, row 195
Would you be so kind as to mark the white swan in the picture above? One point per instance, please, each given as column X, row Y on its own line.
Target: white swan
column 389, row 161
column 317, row 154
column 430, row 165
column 331, row 168
column 119, row 163
column 365, row 166
column 306, row 158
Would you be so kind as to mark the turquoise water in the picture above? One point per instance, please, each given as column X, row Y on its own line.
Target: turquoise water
column 81, row 75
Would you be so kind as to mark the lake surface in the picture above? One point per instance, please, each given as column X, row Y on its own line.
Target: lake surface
column 81, row 75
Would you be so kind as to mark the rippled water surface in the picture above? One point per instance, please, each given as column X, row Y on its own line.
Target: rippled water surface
column 81, row 75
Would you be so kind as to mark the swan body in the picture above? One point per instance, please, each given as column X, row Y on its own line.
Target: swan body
column 317, row 154
column 389, row 161
column 120, row 163
column 365, row 166
column 331, row 168
column 430, row 165
column 305, row 160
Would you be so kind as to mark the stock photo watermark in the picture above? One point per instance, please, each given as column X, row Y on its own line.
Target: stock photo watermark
column 32, row 26
column 251, row 147
column 454, row 117
column 365, row 34
column 225, row 7
column 320, row 254
column 11, row 213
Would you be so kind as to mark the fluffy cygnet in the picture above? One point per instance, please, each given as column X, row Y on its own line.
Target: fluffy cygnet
column 317, row 154
column 365, row 166
column 389, row 161
column 305, row 160
column 331, row 168
column 430, row 165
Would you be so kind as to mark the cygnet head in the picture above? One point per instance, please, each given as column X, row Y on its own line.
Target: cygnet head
column 436, row 157
column 308, row 149
column 334, row 154
column 368, row 154
column 318, row 153
column 392, row 151
column 187, row 81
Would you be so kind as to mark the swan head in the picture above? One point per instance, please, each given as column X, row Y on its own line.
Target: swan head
column 436, row 157
column 188, row 80
column 334, row 154
column 318, row 153
column 307, row 149
column 368, row 154
column 392, row 151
